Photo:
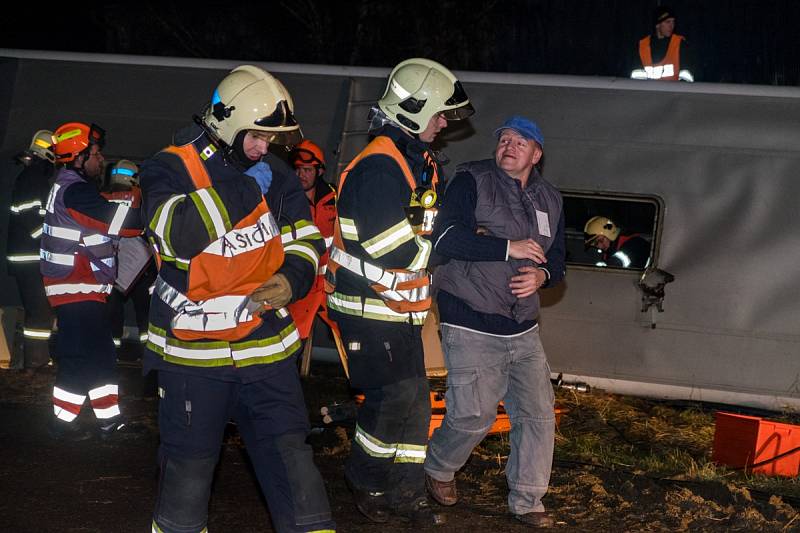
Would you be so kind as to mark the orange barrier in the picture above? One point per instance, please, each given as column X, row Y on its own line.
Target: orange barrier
column 757, row 445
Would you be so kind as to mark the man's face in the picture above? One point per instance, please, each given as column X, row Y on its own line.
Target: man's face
column 602, row 242
column 436, row 124
column 516, row 155
column 256, row 144
column 665, row 27
column 307, row 175
column 93, row 163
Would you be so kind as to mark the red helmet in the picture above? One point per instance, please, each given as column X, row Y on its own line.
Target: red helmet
column 73, row 138
column 307, row 153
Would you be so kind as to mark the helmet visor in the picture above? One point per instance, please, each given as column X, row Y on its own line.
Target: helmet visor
column 281, row 117
column 459, row 101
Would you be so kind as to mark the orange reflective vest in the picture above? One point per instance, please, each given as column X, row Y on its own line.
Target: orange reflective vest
column 402, row 290
column 305, row 309
column 670, row 65
column 216, row 304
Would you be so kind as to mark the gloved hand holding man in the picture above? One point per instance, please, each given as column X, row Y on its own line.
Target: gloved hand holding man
column 275, row 292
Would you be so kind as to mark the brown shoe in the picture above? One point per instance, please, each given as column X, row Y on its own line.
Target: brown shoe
column 536, row 519
column 443, row 492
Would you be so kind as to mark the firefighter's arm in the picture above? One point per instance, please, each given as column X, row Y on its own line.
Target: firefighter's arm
column 185, row 221
column 378, row 197
column 88, row 208
column 302, row 242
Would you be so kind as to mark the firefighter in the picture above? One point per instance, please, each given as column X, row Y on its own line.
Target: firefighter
column 77, row 261
column 380, row 287
column 613, row 247
column 124, row 178
column 24, row 233
column 220, row 338
column 309, row 165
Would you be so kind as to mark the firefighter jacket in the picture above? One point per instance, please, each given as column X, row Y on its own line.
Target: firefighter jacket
column 669, row 67
column 77, row 255
column 27, row 212
column 218, row 238
column 375, row 234
column 323, row 212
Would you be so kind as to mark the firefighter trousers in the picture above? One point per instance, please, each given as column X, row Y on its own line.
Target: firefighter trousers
column 38, row 315
column 86, row 362
column 271, row 418
column 387, row 364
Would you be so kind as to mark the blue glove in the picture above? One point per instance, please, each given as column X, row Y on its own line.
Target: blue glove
column 262, row 174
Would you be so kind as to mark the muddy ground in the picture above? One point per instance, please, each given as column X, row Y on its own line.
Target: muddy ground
column 96, row 486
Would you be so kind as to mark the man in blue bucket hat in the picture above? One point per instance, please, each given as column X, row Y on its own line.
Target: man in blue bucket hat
column 502, row 227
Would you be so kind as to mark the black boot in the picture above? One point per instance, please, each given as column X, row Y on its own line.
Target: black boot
column 420, row 514
column 373, row 505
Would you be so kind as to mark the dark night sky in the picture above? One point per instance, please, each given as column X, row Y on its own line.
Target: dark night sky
column 738, row 41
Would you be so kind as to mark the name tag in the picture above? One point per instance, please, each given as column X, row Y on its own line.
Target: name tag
column 543, row 222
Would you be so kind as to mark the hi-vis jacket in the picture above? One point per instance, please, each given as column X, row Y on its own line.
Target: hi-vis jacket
column 218, row 241
column 27, row 212
column 77, row 255
column 323, row 212
column 377, row 266
column 669, row 68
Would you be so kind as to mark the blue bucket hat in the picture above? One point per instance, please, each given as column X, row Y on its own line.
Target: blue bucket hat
column 523, row 126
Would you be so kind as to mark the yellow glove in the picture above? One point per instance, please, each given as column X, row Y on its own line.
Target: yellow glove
column 276, row 292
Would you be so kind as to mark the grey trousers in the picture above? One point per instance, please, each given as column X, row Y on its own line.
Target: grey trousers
column 482, row 370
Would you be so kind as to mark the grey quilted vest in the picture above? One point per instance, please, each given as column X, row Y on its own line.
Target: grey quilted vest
column 507, row 211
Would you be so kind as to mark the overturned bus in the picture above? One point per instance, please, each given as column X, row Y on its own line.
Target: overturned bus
column 706, row 174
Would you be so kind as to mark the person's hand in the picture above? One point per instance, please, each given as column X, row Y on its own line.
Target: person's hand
column 276, row 292
column 526, row 249
column 262, row 173
column 527, row 282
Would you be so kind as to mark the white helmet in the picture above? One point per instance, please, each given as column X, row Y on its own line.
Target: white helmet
column 419, row 88
column 124, row 173
column 42, row 145
column 597, row 226
column 250, row 98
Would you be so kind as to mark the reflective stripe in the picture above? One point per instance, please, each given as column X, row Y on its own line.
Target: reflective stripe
column 24, row 206
column 303, row 249
column 390, row 280
column 76, row 288
column 23, row 258
column 35, row 234
column 322, row 269
column 421, row 260
column 372, row 308
column 623, row 257
column 302, row 230
column 410, row 453
column 657, row 72
column 373, row 446
column 63, row 414
column 104, row 390
column 389, row 240
column 220, row 353
column 94, row 240
column 31, row 333
column 212, row 211
column 108, row 261
column 59, row 232
column 163, row 221
column 105, row 413
column 119, row 218
column 143, row 337
column 348, row 228
column 328, row 242
column 117, row 342
column 51, row 198
column 75, row 399
column 685, row 75
column 58, row 259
